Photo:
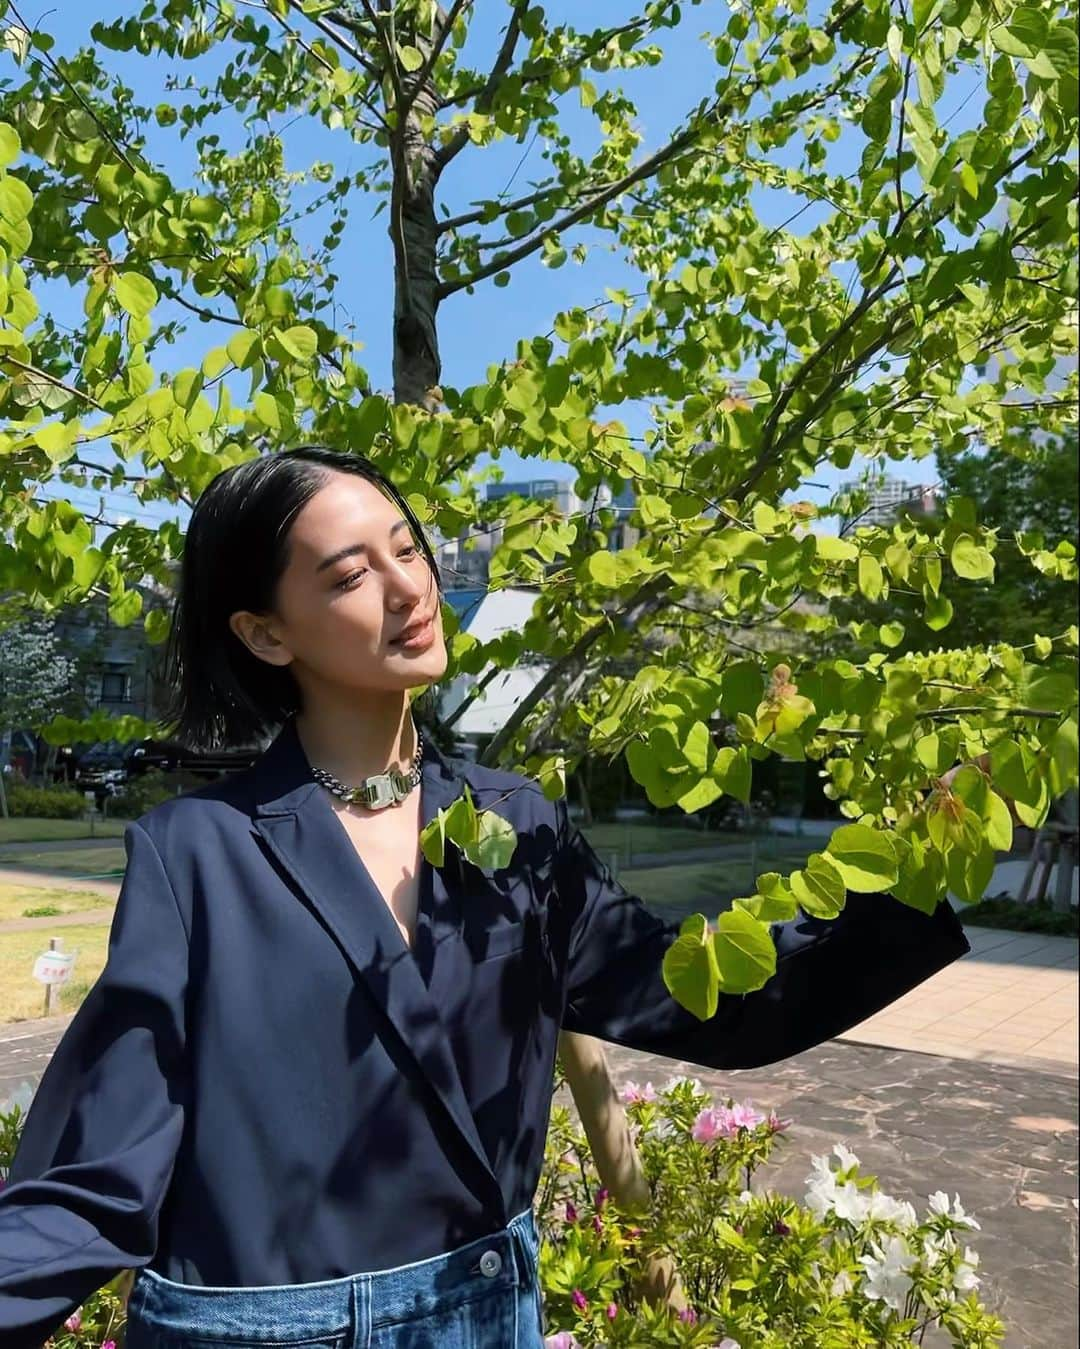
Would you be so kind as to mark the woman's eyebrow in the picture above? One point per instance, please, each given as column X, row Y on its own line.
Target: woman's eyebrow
column 353, row 548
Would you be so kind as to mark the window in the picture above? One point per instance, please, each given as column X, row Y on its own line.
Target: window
column 116, row 684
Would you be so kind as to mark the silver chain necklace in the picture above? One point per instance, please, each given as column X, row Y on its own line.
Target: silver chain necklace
column 379, row 790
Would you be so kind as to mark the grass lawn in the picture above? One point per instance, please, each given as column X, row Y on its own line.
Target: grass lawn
column 103, row 861
column 639, row 836
column 703, row 887
column 46, row 831
column 15, row 899
column 21, row 996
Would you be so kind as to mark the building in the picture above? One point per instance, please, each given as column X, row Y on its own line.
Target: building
column 465, row 560
column 888, row 495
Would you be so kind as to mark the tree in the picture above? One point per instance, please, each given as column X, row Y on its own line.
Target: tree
column 36, row 679
column 923, row 309
column 1029, row 499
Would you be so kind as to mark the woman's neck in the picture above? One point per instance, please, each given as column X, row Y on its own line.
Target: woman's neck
column 354, row 745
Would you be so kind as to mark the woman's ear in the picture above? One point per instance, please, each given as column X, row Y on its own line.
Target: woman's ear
column 257, row 634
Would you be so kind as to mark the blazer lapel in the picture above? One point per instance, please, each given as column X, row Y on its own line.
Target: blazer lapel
column 299, row 827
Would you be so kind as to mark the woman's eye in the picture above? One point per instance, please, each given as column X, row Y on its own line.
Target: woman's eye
column 409, row 552
column 352, row 576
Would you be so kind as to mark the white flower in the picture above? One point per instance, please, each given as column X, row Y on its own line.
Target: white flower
column 746, row 1196
column 846, row 1156
column 674, row 1082
column 939, row 1206
column 938, row 1249
column 885, row 1208
column 965, row 1278
column 843, row 1283
column 728, row 1343
column 849, row 1203
column 887, row 1279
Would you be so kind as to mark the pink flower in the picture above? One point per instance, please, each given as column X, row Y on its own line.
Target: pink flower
column 707, row 1127
column 781, row 1229
column 74, row 1321
column 776, row 1124
column 108, row 1344
column 578, row 1298
column 632, row 1093
column 571, row 1213
column 563, row 1340
column 745, row 1116
column 688, row 1315
column 601, row 1197
column 598, row 1226
column 612, row 1310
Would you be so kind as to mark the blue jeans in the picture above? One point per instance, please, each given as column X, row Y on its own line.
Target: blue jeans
column 485, row 1295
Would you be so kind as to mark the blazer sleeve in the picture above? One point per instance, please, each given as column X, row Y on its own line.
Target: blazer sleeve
column 100, row 1140
column 830, row 975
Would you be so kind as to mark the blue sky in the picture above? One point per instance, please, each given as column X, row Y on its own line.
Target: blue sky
column 477, row 330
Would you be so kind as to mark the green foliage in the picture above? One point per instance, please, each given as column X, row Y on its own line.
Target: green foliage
column 149, row 789
column 1003, row 912
column 758, row 1269
column 926, row 310
column 44, row 803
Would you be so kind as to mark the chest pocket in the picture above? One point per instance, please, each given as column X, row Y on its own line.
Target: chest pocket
column 500, row 917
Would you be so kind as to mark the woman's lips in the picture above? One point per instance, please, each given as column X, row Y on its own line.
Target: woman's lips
column 419, row 640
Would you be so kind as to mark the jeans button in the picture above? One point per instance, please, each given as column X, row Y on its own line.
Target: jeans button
column 490, row 1263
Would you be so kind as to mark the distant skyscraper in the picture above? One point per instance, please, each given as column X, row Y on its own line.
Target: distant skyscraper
column 887, row 496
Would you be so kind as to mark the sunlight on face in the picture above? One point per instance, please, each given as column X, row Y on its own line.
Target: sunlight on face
column 355, row 578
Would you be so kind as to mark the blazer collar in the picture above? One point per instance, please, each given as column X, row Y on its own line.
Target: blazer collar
column 295, row 819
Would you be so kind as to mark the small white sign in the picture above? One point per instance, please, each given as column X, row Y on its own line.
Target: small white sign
column 54, row 967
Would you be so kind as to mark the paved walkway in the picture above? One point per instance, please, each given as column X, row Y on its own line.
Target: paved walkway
column 1012, row 999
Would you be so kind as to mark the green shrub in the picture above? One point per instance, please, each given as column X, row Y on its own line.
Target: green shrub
column 847, row 1265
column 148, row 790
column 1004, row 912
column 42, row 911
column 45, row 803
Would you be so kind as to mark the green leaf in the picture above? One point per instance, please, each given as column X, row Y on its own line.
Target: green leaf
column 410, row 58
column 603, row 570
column 969, row 873
column 126, row 608
column 299, row 341
column 938, row 752
column 820, row 888
column 690, row 972
column 939, row 612
column 10, row 146
column 921, row 881
column 267, row 410
column 865, row 858
column 732, row 772
column 741, row 687
column 745, row 954
column 16, row 201
column 970, row 560
column 999, row 825
column 871, row 580
column 135, row 294
column 891, row 634
column 240, row 347
column 495, row 842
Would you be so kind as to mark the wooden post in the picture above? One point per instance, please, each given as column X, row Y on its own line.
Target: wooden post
column 52, row 990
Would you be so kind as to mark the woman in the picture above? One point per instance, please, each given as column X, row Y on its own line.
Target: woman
column 308, row 1097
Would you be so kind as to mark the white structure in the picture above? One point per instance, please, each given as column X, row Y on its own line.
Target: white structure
column 486, row 614
column 887, row 495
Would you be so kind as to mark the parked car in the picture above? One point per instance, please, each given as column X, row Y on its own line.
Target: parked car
column 169, row 756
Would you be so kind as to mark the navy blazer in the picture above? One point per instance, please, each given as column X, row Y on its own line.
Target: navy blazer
column 266, row 1086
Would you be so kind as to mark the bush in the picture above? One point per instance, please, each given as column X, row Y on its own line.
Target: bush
column 847, row 1266
column 148, row 790
column 45, row 803
column 1004, row 912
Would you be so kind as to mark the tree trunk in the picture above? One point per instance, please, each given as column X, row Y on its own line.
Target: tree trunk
column 417, row 366
column 604, row 1120
column 583, row 791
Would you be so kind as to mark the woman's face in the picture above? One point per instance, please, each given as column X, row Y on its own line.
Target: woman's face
column 354, row 579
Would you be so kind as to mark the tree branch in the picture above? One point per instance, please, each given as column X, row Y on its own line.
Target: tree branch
column 445, row 28
column 484, row 97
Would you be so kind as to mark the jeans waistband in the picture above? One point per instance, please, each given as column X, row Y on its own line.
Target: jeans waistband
column 336, row 1307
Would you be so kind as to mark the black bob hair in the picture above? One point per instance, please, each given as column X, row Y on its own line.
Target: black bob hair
column 236, row 549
